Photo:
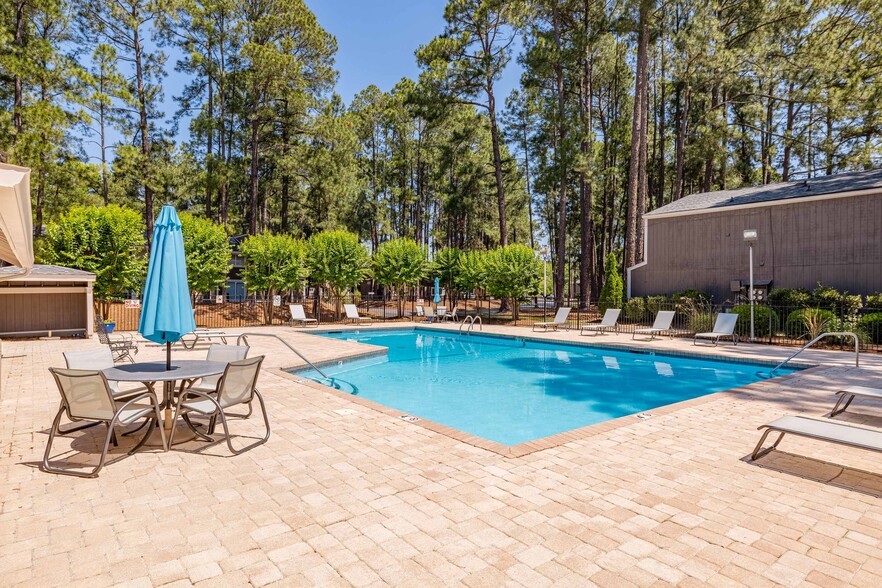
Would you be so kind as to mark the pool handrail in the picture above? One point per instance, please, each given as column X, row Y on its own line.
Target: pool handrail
column 243, row 338
column 471, row 321
column 857, row 350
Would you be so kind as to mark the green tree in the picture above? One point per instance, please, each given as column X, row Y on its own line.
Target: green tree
column 208, row 253
column 466, row 61
column 400, row 263
column 512, row 274
column 612, row 294
column 275, row 265
column 107, row 241
column 338, row 262
column 471, row 274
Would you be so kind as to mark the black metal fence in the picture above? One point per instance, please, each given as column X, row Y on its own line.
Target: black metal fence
column 773, row 324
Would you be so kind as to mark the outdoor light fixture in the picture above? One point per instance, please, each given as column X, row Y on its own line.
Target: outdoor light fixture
column 750, row 237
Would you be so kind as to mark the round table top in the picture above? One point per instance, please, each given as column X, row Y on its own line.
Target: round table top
column 154, row 371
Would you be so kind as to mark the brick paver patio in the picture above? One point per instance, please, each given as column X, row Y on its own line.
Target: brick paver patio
column 343, row 494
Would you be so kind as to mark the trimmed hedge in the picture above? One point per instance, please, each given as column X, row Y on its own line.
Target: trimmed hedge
column 761, row 321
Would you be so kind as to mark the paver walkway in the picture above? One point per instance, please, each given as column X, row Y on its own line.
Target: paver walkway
column 346, row 495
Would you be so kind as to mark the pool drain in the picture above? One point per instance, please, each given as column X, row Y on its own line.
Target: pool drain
column 644, row 416
column 409, row 418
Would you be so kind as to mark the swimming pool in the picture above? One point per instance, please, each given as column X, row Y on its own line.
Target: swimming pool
column 511, row 390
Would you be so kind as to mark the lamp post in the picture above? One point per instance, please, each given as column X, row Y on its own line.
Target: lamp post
column 543, row 253
column 750, row 237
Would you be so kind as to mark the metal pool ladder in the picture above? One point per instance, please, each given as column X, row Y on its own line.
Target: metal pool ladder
column 471, row 320
column 854, row 336
column 244, row 338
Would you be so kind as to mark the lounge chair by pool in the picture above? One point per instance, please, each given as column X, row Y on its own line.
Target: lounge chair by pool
column 560, row 319
column 661, row 326
column 822, row 430
column 299, row 316
column 724, row 326
column 610, row 322
column 352, row 314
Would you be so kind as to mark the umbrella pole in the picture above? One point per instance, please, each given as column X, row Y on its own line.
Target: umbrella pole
column 169, row 387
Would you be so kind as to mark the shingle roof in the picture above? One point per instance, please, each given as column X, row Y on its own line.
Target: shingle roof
column 46, row 270
column 846, row 182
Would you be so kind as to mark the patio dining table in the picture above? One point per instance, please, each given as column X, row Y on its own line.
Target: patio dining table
column 148, row 373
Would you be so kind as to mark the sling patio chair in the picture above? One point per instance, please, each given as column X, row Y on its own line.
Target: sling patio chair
column 819, row 429
column 352, row 314
column 122, row 345
column 724, row 326
column 419, row 313
column 86, row 396
column 299, row 316
column 610, row 322
column 237, row 386
column 661, row 326
column 97, row 359
column 560, row 319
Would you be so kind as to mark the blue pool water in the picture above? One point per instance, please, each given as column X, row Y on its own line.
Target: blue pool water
column 513, row 391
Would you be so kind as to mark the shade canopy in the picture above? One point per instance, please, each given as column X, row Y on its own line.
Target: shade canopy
column 166, row 312
column 16, row 225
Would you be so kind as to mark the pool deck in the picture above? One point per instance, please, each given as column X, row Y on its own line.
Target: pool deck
column 343, row 494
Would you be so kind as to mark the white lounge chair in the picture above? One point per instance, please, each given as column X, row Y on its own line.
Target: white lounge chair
column 822, row 430
column 560, row 319
column 429, row 314
column 451, row 314
column 724, row 326
column 610, row 322
column 236, row 386
column 848, row 394
column 352, row 314
column 86, row 396
column 299, row 316
column 661, row 326
column 420, row 313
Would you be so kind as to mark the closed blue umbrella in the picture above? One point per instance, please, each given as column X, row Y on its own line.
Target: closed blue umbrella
column 437, row 290
column 166, row 312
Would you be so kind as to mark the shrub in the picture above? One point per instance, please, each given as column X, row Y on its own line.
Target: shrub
column 790, row 298
column 871, row 325
column 696, row 296
column 703, row 322
column 827, row 298
column 635, row 309
column 874, row 301
column 762, row 316
column 809, row 322
column 657, row 303
column 612, row 294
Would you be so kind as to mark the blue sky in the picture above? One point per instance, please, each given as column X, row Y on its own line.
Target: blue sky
column 376, row 41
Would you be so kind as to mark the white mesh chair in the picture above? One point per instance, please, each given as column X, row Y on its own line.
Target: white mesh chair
column 560, row 319
column 236, row 386
column 724, row 326
column 352, row 314
column 420, row 313
column 661, row 326
column 451, row 314
column 86, row 396
column 610, row 322
column 298, row 315
column 225, row 354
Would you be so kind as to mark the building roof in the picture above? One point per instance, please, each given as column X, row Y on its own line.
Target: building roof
column 819, row 186
column 48, row 273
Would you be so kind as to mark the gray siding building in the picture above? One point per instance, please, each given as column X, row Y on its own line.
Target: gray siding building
column 826, row 229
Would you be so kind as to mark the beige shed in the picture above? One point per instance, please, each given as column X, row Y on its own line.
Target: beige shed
column 50, row 300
